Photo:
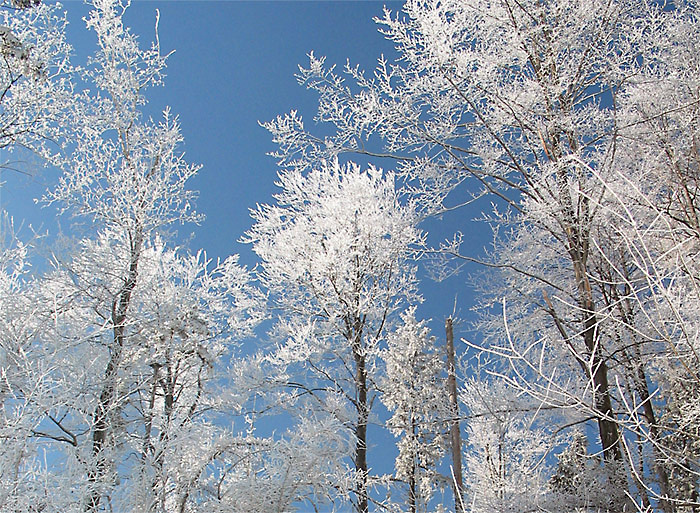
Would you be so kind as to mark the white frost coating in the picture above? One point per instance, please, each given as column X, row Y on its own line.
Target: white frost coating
column 335, row 251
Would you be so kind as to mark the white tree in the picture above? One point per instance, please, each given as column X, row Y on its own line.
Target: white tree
column 22, row 377
column 184, row 315
column 508, row 441
column 35, row 97
column 35, row 78
column 656, row 212
column 559, row 110
column 128, row 176
column 139, row 331
column 335, row 253
column 415, row 391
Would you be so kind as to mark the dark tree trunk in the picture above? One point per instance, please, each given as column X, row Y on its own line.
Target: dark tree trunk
column 361, row 430
column 107, row 406
column 607, row 427
column 455, row 434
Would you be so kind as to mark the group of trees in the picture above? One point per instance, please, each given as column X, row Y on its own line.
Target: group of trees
column 121, row 387
column 579, row 121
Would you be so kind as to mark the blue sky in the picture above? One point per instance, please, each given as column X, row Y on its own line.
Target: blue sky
column 233, row 66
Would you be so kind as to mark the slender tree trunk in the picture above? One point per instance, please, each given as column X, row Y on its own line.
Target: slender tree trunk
column 168, row 384
column 607, row 427
column 655, row 436
column 455, row 434
column 354, row 336
column 575, row 222
column 412, row 481
column 107, row 402
column 148, row 447
column 361, row 432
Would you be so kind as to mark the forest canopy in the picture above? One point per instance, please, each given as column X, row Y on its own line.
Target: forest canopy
column 139, row 375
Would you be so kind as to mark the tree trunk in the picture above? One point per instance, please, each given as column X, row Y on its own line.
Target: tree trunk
column 412, row 481
column 455, row 434
column 107, row 403
column 607, row 427
column 361, row 432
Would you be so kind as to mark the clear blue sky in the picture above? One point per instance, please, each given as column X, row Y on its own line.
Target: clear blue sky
column 233, row 66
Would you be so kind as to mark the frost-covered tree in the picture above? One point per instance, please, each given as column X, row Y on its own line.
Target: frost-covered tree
column 658, row 211
column 183, row 315
column 415, row 392
column 22, row 377
column 579, row 119
column 334, row 252
column 138, row 330
column 127, row 175
column 35, row 97
column 508, row 442
column 35, row 78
